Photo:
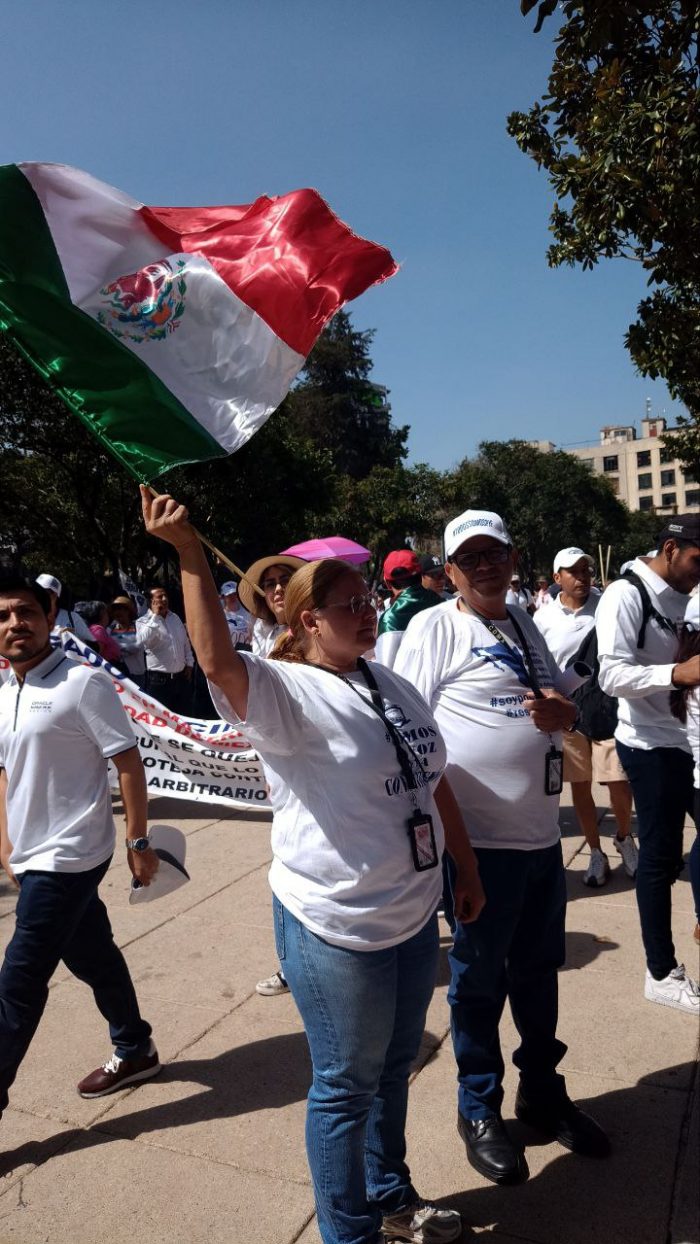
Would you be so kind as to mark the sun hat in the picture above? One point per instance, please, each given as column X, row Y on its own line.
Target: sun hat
column 247, row 595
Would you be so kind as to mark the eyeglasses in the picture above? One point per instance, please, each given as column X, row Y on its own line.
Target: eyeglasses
column 493, row 557
column 356, row 604
column 269, row 585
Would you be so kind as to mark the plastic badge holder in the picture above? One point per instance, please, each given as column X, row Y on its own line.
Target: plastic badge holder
column 170, row 846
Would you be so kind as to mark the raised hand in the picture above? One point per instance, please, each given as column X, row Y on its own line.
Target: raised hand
column 167, row 519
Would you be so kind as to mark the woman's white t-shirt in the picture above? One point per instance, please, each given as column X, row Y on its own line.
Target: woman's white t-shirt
column 342, row 855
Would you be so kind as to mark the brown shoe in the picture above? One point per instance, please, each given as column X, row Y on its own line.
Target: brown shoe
column 119, row 1072
column 696, row 934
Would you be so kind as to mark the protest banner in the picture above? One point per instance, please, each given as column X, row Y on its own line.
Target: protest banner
column 184, row 757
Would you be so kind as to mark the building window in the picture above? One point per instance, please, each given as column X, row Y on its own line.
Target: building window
column 644, row 458
column 644, row 481
column 614, row 483
column 668, row 478
column 693, row 498
column 646, row 503
column 689, row 476
column 588, row 462
column 665, row 455
column 668, row 498
column 610, row 464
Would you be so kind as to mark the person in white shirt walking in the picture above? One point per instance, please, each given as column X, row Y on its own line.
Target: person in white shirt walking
column 564, row 626
column 60, row 723
column 637, row 653
column 169, row 659
column 491, row 682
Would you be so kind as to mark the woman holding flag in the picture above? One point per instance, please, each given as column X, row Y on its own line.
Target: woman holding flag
column 355, row 766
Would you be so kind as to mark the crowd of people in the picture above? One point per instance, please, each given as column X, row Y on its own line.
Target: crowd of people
column 415, row 755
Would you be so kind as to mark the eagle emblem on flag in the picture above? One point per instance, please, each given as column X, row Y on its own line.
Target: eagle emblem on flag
column 146, row 305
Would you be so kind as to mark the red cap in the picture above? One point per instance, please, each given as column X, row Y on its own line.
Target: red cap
column 401, row 564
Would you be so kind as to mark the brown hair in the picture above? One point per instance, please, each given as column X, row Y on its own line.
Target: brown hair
column 688, row 646
column 308, row 588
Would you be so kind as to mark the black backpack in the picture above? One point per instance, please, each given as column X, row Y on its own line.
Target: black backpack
column 598, row 711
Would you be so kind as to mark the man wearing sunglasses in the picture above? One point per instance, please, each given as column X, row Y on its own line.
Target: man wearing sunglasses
column 491, row 681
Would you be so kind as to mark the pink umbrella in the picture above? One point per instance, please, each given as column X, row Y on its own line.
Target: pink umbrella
column 333, row 546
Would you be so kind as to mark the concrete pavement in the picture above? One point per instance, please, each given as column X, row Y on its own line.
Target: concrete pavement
column 212, row 1151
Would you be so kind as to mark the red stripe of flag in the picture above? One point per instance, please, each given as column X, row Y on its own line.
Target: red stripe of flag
column 289, row 258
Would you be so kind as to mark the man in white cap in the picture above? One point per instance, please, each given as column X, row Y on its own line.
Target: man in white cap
column 491, row 682
column 565, row 626
column 63, row 619
column 519, row 596
column 239, row 621
column 637, row 624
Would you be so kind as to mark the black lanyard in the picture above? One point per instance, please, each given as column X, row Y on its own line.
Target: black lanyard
column 401, row 747
column 527, row 655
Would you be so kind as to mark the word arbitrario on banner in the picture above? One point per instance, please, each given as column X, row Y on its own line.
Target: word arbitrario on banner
column 186, row 758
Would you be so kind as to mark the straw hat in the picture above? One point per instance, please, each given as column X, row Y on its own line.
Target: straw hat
column 246, row 592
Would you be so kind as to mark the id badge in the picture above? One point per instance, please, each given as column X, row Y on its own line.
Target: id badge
column 553, row 772
column 422, row 837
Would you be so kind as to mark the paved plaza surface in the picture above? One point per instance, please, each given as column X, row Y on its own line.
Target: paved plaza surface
column 212, row 1151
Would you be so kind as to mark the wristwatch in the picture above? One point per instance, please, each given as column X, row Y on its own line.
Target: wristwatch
column 137, row 844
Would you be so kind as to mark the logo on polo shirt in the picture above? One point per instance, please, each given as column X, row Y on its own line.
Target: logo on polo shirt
column 40, row 706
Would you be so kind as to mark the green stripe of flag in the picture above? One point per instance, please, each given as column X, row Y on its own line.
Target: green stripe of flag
column 119, row 399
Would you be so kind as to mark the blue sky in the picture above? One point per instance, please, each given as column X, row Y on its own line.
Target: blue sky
column 395, row 111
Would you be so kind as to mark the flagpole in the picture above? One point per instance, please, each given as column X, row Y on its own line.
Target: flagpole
column 217, row 553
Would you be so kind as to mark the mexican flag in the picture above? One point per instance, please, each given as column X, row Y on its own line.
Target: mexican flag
column 172, row 332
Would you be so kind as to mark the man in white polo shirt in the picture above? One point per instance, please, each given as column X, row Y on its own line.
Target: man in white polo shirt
column 565, row 626
column 60, row 722
column 637, row 649
column 491, row 682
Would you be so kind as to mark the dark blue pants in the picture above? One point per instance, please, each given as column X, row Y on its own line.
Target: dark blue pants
column 60, row 916
column 513, row 951
column 662, row 785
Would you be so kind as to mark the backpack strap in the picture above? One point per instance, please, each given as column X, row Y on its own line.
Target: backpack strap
column 648, row 610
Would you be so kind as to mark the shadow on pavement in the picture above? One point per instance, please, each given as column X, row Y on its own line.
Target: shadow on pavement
column 575, row 1200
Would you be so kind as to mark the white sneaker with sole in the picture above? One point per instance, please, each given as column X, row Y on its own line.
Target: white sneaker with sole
column 597, row 872
column 272, row 985
column 677, row 990
column 627, row 849
column 423, row 1224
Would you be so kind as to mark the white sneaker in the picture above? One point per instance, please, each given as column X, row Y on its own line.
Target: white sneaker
column 597, row 872
column 676, row 990
column 423, row 1224
column 627, row 848
column 272, row 985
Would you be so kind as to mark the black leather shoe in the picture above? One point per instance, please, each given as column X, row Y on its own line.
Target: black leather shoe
column 561, row 1119
column 491, row 1151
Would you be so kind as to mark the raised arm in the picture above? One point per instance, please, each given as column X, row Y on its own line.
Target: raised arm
column 205, row 618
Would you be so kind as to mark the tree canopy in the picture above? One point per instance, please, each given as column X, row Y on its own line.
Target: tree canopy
column 618, row 132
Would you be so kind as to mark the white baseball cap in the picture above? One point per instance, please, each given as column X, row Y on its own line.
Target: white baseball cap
column 474, row 523
column 568, row 557
column 49, row 582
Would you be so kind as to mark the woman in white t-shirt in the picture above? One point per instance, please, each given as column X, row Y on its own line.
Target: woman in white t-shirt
column 355, row 763
column 271, row 575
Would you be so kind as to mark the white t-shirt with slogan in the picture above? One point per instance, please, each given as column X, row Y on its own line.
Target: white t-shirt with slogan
column 342, row 856
column 476, row 685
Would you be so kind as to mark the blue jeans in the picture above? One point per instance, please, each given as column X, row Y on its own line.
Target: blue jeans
column 60, row 916
column 662, row 785
column 363, row 1013
column 513, row 951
